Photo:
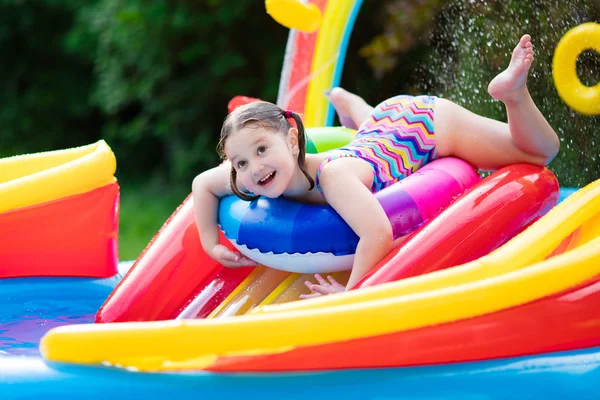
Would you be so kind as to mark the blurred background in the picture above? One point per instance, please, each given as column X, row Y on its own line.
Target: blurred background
column 153, row 78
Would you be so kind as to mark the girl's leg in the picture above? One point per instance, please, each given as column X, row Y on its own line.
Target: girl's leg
column 352, row 110
column 490, row 144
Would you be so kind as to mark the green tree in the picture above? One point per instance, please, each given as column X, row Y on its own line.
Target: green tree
column 166, row 70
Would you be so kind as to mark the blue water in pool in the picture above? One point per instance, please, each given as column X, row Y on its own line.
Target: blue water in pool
column 28, row 323
column 30, row 307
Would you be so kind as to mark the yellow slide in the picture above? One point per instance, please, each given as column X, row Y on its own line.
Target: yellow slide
column 266, row 286
column 514, row 274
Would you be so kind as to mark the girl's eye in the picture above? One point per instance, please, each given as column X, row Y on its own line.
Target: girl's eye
column 261, row 149
column 241, row 164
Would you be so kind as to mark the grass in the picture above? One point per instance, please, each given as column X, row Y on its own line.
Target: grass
column 144, row 209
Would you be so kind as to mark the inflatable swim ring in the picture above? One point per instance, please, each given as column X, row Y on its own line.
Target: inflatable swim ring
column 578, row 96
column 309, row 238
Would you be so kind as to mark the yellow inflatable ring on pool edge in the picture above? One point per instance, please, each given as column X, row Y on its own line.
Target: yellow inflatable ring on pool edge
column 578, row 96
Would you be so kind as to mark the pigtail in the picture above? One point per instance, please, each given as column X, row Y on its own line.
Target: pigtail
column 301, row 145
column 236, row 190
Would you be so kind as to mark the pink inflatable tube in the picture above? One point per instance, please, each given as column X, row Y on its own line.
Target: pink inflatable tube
column 430, row 189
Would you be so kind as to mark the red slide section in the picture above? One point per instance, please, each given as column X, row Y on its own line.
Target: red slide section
column 169, row 274
column 487, row 216
column 71, row 236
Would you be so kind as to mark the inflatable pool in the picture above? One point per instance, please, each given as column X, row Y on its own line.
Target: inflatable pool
column 492, row 297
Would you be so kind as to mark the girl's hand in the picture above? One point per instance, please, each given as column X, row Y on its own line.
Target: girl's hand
column 229, row 258
column 323, row 288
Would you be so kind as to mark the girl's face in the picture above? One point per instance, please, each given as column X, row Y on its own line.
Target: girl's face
column 265, row 161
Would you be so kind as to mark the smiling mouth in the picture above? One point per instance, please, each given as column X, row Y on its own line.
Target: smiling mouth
column 267, row 179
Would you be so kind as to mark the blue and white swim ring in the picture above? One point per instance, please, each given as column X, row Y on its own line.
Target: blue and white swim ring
column 308, row 238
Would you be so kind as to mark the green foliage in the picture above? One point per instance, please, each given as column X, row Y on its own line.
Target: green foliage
column 407, row 25
column 166, row 69
column 145, row 207
column 43, row 88
column 151, row 77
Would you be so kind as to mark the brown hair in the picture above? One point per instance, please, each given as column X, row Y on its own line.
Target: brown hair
column 267, row 116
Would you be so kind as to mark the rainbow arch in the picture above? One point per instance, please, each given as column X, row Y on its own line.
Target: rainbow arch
column 313, row 62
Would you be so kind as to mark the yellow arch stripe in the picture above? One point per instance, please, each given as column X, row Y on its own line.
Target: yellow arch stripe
column 35, row 178
column 293, row 287
column 251, row 292
column 242, row 286
column 283, row 286
column 325, row 58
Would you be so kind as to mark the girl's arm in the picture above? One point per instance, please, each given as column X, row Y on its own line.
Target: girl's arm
column 345, row 184
column 207, row 189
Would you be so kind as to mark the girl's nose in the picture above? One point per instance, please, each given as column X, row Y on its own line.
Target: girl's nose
column 257, row 168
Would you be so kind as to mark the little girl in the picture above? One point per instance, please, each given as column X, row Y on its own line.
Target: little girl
column 266, row 157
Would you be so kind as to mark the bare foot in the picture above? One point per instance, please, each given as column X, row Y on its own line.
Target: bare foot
column 352, row 110
column 511, row 84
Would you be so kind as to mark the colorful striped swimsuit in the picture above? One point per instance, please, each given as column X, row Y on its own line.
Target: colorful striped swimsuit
column 396, row 140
